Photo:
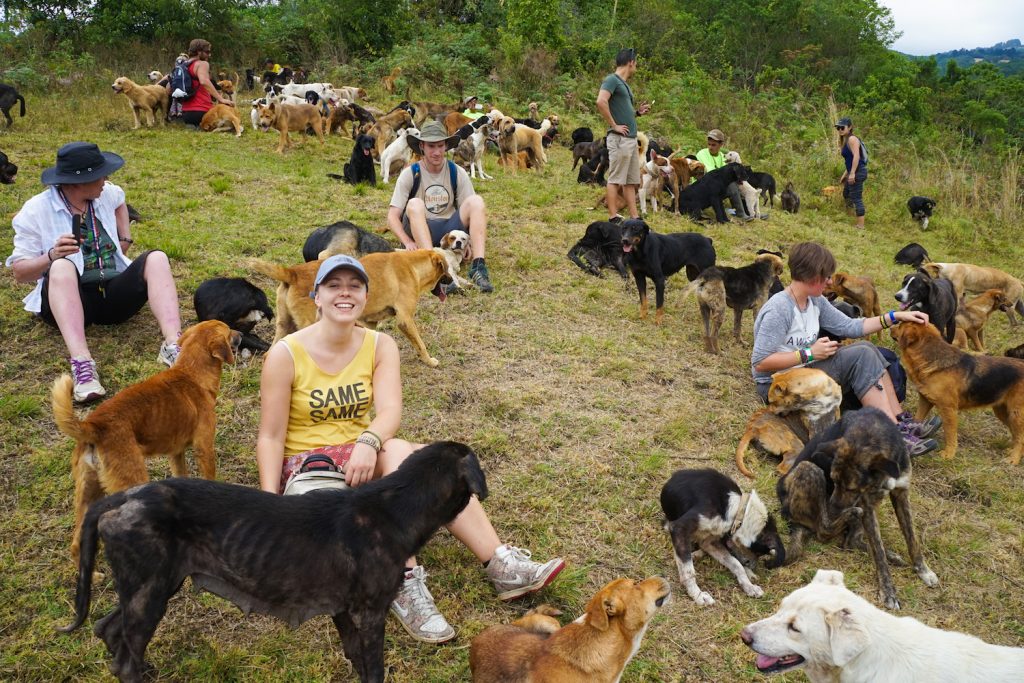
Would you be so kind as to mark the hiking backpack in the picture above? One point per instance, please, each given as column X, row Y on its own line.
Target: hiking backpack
column 181, row 80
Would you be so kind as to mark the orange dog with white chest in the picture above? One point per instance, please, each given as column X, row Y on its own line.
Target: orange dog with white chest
column 593, row 649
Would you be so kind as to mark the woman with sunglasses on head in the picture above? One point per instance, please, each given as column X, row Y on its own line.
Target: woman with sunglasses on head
column 855, row 155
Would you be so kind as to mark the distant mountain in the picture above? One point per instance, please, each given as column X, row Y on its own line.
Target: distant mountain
column 1008, row 56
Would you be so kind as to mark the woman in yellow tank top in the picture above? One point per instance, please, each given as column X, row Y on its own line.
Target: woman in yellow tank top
column 316, row 391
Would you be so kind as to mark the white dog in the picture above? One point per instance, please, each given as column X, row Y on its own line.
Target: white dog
column 254, row 115
column 837, row 636
column 751, row 198
column 324, row 90
column 398, row 150
column 455, row 249
column 654, row 174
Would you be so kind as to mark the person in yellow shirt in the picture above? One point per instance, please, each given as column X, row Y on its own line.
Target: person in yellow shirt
column 316, row 394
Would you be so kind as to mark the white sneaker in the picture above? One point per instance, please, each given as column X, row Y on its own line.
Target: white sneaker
column 414, row 606
column 168, row 354
column 87, row 380
column 514, row 574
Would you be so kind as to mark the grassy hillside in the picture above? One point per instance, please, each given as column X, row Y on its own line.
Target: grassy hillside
column 578, row 409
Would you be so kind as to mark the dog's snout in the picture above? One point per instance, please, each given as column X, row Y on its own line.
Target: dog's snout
column 746, row 636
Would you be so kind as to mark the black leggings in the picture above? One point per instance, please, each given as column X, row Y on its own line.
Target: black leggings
column 192, row 118
column 122, row 296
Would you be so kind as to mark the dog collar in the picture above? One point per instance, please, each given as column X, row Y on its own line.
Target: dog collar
column 737, row 522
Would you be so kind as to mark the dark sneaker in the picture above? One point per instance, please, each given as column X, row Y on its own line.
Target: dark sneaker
column 514, row 574
column 920, row 429
column 481, row 278
column 916, row 445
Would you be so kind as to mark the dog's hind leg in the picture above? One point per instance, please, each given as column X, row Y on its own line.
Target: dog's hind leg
column 715, row 549
column 681, row 530
column 900, row 498
column 737, row 323
column 1014, row 420
column 203, row 448
column 886, row 589
column 87, row 490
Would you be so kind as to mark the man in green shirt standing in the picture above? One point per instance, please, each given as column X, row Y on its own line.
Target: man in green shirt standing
column 615, row 103
column 713, row 157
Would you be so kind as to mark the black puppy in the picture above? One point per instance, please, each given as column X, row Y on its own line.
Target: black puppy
column 586, row 151
column 593, row 171
column 600, row 247
column 236, row 302
column 765, row 182
column 8, row 171
column 245, row 545
column 705, row 508
column 360, row 168
column 656, row 256
column 790, row 199
column 710, row 190
column 661, row 148
column 361, row 117
column 936, row 297
column 912, row 255
column 8, row 96
column 921, row 209
column 343, row 237
column 582, row 134
column 250, row 79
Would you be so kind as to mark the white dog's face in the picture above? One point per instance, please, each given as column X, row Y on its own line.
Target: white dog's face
column 821, row 624
column 155, row 76
column 456, row 240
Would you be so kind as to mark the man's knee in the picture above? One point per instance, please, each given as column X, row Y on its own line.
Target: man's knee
column 62, row 272
column 415, row 207
column 475, row 203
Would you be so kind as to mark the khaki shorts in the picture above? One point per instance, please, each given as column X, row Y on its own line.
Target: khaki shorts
column 623, row 160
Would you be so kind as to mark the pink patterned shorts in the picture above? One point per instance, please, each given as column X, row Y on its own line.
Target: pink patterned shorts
column 339, row 454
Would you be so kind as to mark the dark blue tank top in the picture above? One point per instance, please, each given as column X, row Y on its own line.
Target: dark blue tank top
column 848, row 156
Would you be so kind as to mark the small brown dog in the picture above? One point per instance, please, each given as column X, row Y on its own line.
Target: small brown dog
column 971, row 317
column 163, row 415
column 710, row 290
column 859, row 291
column 593, row 649
column 951, row 381
column 148, row 99
column 290, row 117
column 388, row 82
column 977, row 279
column 221, row 117
column 396, row 281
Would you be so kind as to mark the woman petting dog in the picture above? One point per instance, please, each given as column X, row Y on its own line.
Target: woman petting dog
column 71, row 240
column 316, row 391
column 786, row 336
column 855, row 156
column 193, row 108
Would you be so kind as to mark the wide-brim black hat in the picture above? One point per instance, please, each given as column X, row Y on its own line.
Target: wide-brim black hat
column 81, row 162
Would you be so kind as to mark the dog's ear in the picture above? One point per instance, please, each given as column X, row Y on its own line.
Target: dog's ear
column 847, row 636
column 220, row 348
column 829, row 577
column 470, row 471
column 601, row 607
column 886, row 466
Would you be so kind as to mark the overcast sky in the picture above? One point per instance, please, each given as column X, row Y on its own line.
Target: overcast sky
column 932, row 26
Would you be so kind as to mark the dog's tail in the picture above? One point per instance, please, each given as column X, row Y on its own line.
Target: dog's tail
column 64, row 412
column 88, row 545
column 273, row 271
column 22, row 100
column 741, row 450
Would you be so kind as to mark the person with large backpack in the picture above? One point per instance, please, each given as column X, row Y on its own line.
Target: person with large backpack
column 435, row 196
column 190, row 82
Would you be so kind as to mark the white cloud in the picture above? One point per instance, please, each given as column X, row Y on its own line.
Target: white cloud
column 931, row 26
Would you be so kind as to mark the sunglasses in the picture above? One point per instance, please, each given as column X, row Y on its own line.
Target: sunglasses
column 840, row 127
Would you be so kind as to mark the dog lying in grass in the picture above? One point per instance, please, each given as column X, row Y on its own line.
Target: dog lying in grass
column 148, row 99
column 239, row 304
column 221, row 117
column 343, row 237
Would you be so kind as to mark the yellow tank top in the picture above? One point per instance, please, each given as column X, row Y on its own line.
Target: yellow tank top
column 329, row 409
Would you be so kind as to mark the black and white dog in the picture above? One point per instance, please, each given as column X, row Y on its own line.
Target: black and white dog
column 8, row 171
column 921, row 209
column 236, row 302
column 705, row 508
column 936, row 297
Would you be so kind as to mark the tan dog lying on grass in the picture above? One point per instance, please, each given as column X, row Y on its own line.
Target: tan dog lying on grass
column 972, row 315
column 221, row 117
column 148, row 99
column 396, row 281
column 163, row 415
column 290, row 117
column 593, row 649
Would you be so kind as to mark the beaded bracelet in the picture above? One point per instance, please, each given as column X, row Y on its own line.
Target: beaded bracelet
column 881, row 321
column 810, row 355
column 370, row 441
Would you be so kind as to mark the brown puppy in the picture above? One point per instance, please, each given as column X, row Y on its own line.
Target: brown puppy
column 388, row 82
column 290, row 117
column 593, row 649
column 383, row 131
column 686, row 170
column 221, row 117
column 163, row 415
column 227, row 87
column 144, row 98
column 977, row 279
column 396, row 281
column 972, row 315
column 859, row 291
column 952, row 380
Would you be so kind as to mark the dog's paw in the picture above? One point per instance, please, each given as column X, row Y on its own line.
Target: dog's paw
column 890, row 601
column 753, row 591
column 750, row 574
column 704, row 599
column 929, row 578
column 894, row 559
column 432, row 362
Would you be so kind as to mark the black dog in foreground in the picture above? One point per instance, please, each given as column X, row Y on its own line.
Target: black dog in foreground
column 600, row 247
column 698, row 505
column 261, row 551
column 360, row 168
column 8, row 171
column 921, row 209
column 710, row 190
column 8, row 96
column 936, row 297
column 236, row 302
column 656, row 256
column 343, row 237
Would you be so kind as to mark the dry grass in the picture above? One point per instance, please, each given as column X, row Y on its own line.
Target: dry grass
column 578, row 409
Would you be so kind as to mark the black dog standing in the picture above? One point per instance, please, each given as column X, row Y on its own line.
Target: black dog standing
column 8, row 96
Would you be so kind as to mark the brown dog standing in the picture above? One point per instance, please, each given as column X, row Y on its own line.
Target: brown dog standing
column 592, row 649
column 972, row 316
column 290, row 117
column 859, row 291
column 162, row 415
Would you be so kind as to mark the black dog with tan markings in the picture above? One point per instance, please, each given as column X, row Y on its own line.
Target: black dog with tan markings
column 247, row 546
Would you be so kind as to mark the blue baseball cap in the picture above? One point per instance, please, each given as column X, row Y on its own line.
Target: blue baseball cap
column 332, row 263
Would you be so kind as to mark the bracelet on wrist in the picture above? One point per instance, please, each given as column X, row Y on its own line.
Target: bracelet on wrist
column 881, row 321
column 49, row 254
column 128, row 240
column 810, row 355
column 892, row 318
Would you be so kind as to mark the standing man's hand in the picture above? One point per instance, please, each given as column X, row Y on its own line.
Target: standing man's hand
column 643, row 108
column 621, row 129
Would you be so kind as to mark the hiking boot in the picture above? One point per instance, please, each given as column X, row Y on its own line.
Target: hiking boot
column 916, row 445
column 920, row 429
column 480, row 277
column 168, row 354
column 514, row 574
column 414, row 606
column 616, row 219
column 452, row 288
column 87, row 380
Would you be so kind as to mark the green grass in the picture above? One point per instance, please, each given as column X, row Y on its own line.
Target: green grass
column 579, row 410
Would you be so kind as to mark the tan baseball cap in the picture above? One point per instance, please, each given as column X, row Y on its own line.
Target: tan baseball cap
column 716, row 135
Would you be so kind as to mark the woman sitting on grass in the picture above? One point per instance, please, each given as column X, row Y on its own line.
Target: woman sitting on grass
column 317, row 388
column 786, row 336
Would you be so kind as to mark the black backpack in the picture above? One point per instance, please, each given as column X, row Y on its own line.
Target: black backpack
column 182, row 80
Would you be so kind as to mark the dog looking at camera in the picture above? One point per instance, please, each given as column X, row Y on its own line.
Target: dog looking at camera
column 456, row 250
